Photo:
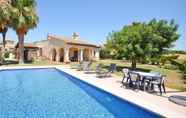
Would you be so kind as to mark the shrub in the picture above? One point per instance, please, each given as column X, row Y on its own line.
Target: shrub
column 167, row 58
column 6, row 55
column 176, row 52
column 170, row 67
column 179, row 65
column 163, row 60
column 184, row 70
column 154, row 61
column 174, row 56
column 184, row 67
column 104, row 54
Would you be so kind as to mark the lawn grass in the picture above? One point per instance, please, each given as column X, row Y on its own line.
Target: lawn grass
column 174, row 79
column 41, row 62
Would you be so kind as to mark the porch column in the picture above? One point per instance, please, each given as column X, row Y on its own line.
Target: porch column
column 58, row 55
column 51, row 56
column 80, row 56
column 66, row 55
column 97, row 54
column 92, row 54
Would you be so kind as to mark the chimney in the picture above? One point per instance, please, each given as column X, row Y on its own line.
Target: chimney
column 75, row 36
column 49, row 37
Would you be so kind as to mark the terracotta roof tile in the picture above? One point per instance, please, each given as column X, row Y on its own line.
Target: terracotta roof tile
column 72, row 41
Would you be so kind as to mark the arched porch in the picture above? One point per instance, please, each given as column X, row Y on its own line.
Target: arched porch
column 87, row 54
column 73, row 54
column 53, row 54
column 60, row 55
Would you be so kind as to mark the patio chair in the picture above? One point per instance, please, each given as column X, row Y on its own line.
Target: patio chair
column 87, row 68
column 146, row 80
column 134, row 80
column 77, row 66
column 160, row 82
column 98, row 68
column 126, row 78
column 83, row 66
column 102, row 73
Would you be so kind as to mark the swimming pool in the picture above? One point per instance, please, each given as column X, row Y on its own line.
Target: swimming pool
column 51, row 93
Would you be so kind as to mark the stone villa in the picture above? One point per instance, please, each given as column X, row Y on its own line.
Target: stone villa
column 60, row 49
column 63, row 49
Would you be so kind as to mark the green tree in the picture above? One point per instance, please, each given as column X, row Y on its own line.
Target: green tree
column 5, row 7
column 111, row 45
column 104, row 53
column 24, row 18
column 139, row 41
column 164, row 34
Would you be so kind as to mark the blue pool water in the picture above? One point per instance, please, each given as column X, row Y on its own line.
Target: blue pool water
column 50, row 93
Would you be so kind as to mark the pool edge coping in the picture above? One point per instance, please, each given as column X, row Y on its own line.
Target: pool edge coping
column 97, row 87
column 115, row 95
column 161, row 112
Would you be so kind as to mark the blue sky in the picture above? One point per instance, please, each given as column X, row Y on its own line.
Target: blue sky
column 94, row 19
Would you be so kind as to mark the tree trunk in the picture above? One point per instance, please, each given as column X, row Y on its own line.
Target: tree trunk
column 4, row 43
column 21, row 47
column 4, row 38
column 133, row 65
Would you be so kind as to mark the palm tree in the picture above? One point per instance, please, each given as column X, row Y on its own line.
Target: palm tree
column 5, row 7
column 23, row 19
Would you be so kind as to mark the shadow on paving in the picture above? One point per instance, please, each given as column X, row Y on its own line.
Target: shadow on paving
column 9, row 62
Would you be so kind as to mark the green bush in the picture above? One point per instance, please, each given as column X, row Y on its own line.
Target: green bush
column 181, row 66
column 184, row 67
column 104, row 54
column 176, row 52
column 170, row 67
column 184, row 70
column 174, row 56
column 154, row 61
column 144, row 61
column 164, row 58
column 6, row 55
column 178, row 64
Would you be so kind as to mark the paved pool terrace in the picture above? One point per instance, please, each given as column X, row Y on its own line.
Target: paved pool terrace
column 153, row 102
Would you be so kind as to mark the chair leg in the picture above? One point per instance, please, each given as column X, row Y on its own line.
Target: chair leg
column 123, row 80
column 137, row 84
column 152, row 86
column 128, row 79
column 163, row 85
column 144, row 86
column 149, row 86
column 123, row 83
column 130, row 83
column 159, row 86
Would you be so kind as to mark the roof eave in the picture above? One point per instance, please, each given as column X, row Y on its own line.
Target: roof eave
column 90, row 45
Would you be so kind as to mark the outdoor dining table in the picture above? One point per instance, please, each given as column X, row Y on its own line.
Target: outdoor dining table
column 146, row 76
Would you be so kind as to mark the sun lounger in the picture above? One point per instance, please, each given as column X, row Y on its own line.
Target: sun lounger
column 87, row 68
column 77, row 66
column 102, row 73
